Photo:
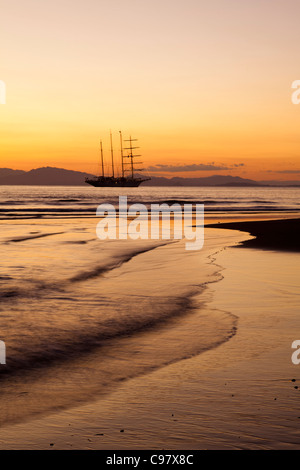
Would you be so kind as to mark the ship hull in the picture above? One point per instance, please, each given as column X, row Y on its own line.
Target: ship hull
column 115, row 183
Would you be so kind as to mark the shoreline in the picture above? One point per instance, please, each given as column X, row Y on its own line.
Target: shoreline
column 237, row 395
column 129, row 323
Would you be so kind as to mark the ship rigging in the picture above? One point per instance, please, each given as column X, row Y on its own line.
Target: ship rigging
column 128, row 177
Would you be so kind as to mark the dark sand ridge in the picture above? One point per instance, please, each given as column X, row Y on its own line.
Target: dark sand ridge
column 280, row 234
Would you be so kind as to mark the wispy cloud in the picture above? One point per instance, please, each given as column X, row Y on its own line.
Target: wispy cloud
column 284, row 171
column 193, row 167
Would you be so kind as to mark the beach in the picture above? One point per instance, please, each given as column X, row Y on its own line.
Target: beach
column 141, row 344
column 149, row 227
column 237, row 395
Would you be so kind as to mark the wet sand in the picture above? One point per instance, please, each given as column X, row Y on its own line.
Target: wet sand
column 241, row 394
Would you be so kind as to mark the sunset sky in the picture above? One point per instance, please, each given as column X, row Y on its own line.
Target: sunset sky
column 204, row 85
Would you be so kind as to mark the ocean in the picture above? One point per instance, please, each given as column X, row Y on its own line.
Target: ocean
column 58, row 201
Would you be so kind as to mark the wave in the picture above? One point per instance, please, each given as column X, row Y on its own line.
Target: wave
column 83, row 371
column 211, row 201
column 36, row 288
column 72, row 346
column 33, row 237
column 66, row 200
column 71, row 338
column 115, row 263
column 46, row 210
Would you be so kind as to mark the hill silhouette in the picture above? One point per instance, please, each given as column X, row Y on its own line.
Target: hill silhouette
column 51, row 176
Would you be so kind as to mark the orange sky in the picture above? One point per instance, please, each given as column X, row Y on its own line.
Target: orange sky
column 197, row 82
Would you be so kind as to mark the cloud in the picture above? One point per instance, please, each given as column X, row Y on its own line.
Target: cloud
column 284, row 171
column 193, row 167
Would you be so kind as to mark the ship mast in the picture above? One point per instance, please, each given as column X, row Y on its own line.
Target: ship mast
column 131, row 156
column 112, row 155
column 102, row 164
column 122, row 156
column 128, row 166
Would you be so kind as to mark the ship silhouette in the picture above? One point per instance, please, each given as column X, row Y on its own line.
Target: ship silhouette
column 128, row 179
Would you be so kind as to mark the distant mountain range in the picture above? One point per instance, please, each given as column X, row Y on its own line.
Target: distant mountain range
column 49, row 176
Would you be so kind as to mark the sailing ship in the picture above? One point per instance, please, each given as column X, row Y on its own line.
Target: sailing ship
column 128, row 178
